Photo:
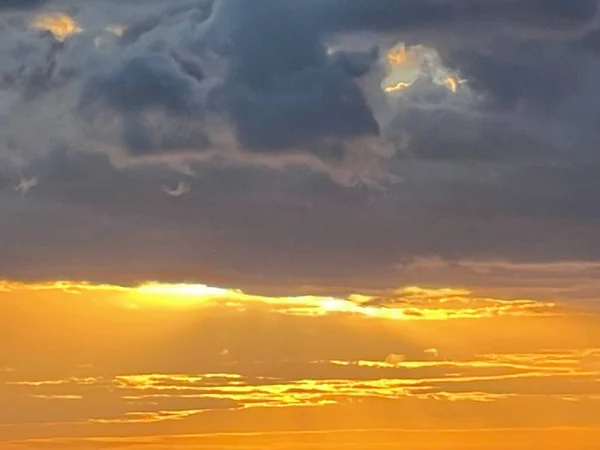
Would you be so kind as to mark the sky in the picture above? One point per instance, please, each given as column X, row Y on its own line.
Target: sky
column 290, row 224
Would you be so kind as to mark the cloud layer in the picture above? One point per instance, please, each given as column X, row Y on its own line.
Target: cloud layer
column 274, row 119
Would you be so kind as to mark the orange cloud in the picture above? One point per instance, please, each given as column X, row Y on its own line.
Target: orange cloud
column 407, row 304
column 59, row 24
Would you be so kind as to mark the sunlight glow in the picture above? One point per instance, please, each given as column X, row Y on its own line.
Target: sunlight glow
column 193, row 290
column 451, row 83
column 406, row 304
column 59, row 24
column 401, row 85
column 408, row 64
column 62, row 26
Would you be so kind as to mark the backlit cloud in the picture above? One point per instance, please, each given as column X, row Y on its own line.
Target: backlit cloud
column 411, row 303
column 60, row 25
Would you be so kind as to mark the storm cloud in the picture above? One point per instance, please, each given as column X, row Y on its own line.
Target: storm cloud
column 299, row 154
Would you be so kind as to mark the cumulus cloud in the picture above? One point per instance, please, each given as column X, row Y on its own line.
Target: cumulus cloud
column 177, row 79
column 183, row 80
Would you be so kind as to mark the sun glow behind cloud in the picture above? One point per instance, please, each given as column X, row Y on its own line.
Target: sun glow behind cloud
column 62, row 26
column 408, row 64
column 59, row 24
column 406, row 304
column 186, row 290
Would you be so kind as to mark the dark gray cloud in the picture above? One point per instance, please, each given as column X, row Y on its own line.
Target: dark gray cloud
column 245, row 227
column 541, row 75
column 382, row 15
column 310, row 108
column 283, row 92
column 356, row 64
column 141, row 85
column 277, row 120
column 21, row 4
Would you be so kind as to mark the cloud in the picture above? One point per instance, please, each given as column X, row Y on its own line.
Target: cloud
column 158, row 397
column 296, row 138
column 140, row 83
column 26, row 184
column 156, row 89
column 150, row 417
column 21, row 4
column 433, row 352
column 284, row 93
column 182, row 188
column 60, row 25
column 289, row 95
column 394, row 358
column 137, row 88
column 410, row 304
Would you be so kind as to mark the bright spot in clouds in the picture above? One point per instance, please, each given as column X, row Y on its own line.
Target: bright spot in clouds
column 408, row 304
column 59, row 24
column 193, row 290
column 62, row 26
column 408, row 64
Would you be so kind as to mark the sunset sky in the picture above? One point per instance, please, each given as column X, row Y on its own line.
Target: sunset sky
column 299, row 224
